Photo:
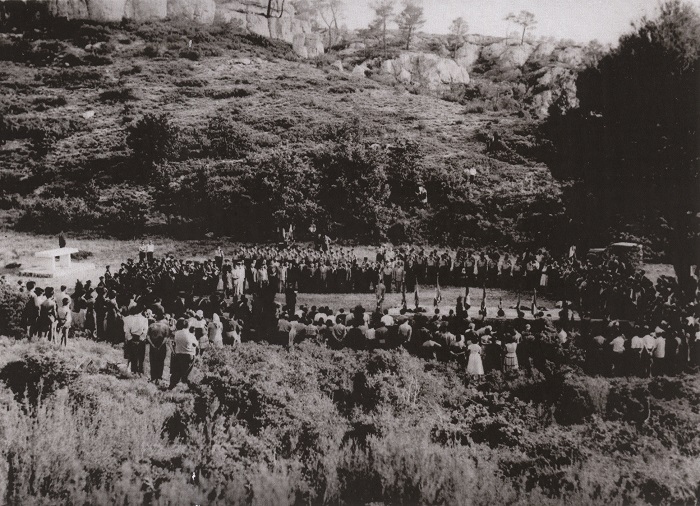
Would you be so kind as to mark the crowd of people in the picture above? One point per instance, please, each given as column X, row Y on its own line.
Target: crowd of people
column 193, row 307
column 598, row 287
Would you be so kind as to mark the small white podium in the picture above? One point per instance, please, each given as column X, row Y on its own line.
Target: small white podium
column 63, row 254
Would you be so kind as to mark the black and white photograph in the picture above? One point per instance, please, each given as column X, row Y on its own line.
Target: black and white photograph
column 349, row 252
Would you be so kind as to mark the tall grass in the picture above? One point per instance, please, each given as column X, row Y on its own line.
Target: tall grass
column 265, row 425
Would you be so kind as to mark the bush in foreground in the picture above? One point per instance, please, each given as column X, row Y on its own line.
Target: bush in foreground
column 310, row 425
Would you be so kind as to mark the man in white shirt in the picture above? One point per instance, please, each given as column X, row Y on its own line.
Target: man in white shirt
column 647, row 354
column 405, row 331
column 618, row 354
column 636, row 348
column 387, row 319
column 135, row 330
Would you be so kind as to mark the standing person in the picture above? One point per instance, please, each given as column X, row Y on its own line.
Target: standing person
column 510, row 359
column 135, row 331
column 290, row 297
column 90, row 317
column 404, row 332
column 648, row 354
column 184, row 352
column 381, row 291
column 142, row 252
column 198, row 326
column 114, row 332
column 65, row 320
column 158, row 335
column 618, row 355
column 219, row 257
column 634, row 363
column 47, row 316
column 227, row 277
column 660, row 353
column 239, row 273
column 150, row 251
column 215, row 331
column 30, row 313
column 474, row 366
column 61, row 240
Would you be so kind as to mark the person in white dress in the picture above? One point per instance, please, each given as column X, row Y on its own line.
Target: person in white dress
column 215, row 332
column 474, row 366
column 510, row 360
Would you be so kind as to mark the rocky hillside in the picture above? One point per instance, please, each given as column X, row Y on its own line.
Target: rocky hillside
column 239, row 103
column 542, row 71
column 534, row 74
column 253, row 16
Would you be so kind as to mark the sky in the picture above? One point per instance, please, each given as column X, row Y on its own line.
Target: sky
column 580, row 20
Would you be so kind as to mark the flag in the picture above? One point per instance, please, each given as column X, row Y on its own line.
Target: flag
column 482, row 310
column 403, row 294
column 438, row 295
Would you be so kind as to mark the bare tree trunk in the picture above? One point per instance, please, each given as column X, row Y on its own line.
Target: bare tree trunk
column 522, row 39
column 384, row 37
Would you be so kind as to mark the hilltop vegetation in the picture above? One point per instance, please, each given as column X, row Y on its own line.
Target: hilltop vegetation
column 264, row 425
column 240, row 110
column 185, row 130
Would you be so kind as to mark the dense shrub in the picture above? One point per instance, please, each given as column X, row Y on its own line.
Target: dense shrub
column 118, row 95
column 11, row 307
column 317, row 426
column 227, row 138
column 36, row 375
column 152, row 139
column 53, row 214
column 125, row 214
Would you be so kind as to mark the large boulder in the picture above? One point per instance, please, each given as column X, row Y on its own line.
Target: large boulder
column 571, row 56
column 494, row 51
column 308, row 45
column 360, row 70
column 425, row 69
column 543, row 50
column 515, row 56
column 146, row 9
column 199, row 11
column 96, row 10
column 467, row 55
column 542, row 101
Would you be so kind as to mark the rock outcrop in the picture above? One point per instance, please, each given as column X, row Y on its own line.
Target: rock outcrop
column 543, row 50
column 571, row 56
column 199, row 11
column 506, row 55
column 360, row 70
column 308, row 45
column 467, row 55
column 250, row 14
column 426, row 69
